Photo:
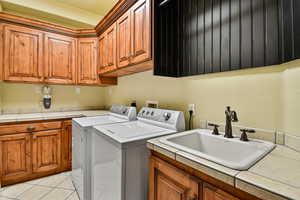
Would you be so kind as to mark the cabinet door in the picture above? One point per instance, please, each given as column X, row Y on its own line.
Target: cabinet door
column 23, row 55
column 1, row 51
column 141, row 31
column 108, row 49
column 66, row 146
column 15, row 155
column 169, row 183
column 60, row 59
column 123, row 40
column 87, row 61
column 46, row 147
column 102, row 52
column 213, row 193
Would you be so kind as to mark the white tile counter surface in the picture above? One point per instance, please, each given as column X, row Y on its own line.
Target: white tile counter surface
column 49, row 116
column 275, row 177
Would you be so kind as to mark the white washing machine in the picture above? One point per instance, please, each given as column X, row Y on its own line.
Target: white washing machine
column 120, row 156
column 80, row 143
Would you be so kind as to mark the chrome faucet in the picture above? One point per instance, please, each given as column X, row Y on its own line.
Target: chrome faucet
column 231, row 116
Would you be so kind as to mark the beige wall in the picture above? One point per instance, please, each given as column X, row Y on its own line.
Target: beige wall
column 264, row 97
column 26, row 98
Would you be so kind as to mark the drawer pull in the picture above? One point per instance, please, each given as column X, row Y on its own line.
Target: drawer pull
column 30, row 128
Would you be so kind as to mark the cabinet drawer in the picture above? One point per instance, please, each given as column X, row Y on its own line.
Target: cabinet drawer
column 30, row 127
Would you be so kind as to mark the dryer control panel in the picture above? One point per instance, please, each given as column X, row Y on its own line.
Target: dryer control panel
column 126, row 111
column 165, row 118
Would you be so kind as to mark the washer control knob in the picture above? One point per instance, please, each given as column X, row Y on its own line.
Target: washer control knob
column 148, row 112
column 167, row 116
column 152, row 113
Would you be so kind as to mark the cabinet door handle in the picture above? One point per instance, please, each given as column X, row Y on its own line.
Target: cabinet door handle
column 30, row 128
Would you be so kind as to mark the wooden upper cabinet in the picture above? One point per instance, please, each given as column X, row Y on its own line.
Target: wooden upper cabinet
column 102, row 53
column 1, row 51
column 46, row 151
column 15, row 155
column 107, row 50
column 212, row 193
column 23, row 54
column 60, row 59
column 87, row 61
column 141, row 31
column 124, row 40
column 169, row 183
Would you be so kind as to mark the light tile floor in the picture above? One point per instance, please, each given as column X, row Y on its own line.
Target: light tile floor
column 56, row 187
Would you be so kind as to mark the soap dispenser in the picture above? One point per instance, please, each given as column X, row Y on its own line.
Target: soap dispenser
column 47, row 97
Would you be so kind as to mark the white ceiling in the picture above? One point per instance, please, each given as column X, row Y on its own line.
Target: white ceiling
column 70, row 13
column 100, row 7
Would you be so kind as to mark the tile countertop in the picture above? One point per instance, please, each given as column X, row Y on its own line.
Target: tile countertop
column 276, row 176
column 49, row 116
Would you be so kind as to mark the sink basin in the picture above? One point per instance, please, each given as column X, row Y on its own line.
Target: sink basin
column 231, row 153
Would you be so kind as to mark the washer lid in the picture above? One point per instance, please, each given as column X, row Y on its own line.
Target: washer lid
column 132, row 131
column 98, row 120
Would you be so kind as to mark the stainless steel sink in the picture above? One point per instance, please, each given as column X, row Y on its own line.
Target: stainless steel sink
column 231, row 153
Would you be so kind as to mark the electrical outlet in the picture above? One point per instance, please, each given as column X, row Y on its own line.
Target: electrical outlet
column 152, row 104
column 191, row 107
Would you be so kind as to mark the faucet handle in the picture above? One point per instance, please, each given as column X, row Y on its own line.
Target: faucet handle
column 244, row 136
column 216, row 126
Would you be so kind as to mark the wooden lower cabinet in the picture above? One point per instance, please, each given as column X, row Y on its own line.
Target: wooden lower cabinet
column 66, row 146
column 212, row 193
column 15, row 155
column 170, row 180
column 33, row 150
column 46, row 151
column 169, row 183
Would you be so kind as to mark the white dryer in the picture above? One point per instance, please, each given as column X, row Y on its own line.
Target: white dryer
column 120, row 156
column 81, row 142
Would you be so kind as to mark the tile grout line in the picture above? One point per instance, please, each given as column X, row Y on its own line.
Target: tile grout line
column 69, row 195
column 35, row 185
column 17, row 197
column 46, row 194
column 52, row 188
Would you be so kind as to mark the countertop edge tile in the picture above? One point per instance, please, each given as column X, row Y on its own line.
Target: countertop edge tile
column 49, row 115
column 163, row 149
column 150, row 146
column 264, row 187
column 206, row 168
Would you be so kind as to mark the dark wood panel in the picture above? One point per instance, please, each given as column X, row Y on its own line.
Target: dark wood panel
column 246, row 34
column 272, row 37
column 259, row 33
column 287, row 25
column 235, row 27
column 201, row 37
column 166, row 20
column 296, row 26
column 208, row 36
column 214, row 36
column 225, row 36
